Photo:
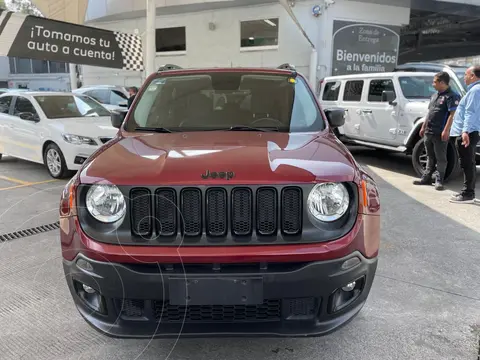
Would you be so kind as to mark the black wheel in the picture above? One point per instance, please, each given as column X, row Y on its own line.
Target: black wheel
column 55, row 162
column 419, row 160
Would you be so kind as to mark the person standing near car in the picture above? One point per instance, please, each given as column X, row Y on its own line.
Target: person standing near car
column 133, row 92
column 436, row 130
column 465, row 131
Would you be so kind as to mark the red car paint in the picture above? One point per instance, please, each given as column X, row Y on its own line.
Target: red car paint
column 256, row 158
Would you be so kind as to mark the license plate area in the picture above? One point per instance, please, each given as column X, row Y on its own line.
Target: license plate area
column 216, row 291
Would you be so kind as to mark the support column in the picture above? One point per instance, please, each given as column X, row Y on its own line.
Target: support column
column 73, row 76
column 312, row 76
column 150, row 50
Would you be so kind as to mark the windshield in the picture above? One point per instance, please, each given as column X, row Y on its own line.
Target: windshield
column 461, row 75
column 225, row 100
column 417, row 87
column 69, row 106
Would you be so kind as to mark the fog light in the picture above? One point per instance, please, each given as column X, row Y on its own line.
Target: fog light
column 88, row 289
column 79, row 160
column 347, row 288
column 91, row 297
column 346, row 295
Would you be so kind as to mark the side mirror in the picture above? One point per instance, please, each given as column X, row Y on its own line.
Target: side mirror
column 335, row 117
column 117, row 118
column 389, row 96
column 27, row 116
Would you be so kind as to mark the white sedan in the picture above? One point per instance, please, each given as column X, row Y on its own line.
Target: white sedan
column 60, row 130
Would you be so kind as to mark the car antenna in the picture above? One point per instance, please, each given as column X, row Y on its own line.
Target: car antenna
column 287, row 66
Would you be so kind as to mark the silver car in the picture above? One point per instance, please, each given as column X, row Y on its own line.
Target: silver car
column 112, row 97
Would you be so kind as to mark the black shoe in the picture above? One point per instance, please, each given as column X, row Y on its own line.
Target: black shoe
column 423, row 181
column 439, row 183
column 463, row 199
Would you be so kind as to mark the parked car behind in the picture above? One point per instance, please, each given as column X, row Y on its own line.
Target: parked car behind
column 456, row 72
column 60, row 129
column 113, row 98
column 386, row 111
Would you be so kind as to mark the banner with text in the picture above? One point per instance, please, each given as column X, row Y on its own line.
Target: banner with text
column 32, row 37
column 364, row 48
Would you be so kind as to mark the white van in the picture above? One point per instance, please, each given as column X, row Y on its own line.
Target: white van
column 386, row 111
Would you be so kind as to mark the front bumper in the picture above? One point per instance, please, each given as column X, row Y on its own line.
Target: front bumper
column 76, row 155
column 290, row 299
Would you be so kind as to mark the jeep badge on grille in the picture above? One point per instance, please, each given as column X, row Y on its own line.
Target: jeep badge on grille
column 218, row 175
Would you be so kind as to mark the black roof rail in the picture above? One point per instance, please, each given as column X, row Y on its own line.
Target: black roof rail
column 167, row 67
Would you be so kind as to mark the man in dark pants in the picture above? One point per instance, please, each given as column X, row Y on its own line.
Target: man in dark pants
column 132, row 92
column 465, row 130
column 436, row 129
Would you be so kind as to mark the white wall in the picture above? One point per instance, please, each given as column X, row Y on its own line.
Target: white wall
column 50, row 82
column 221, row 47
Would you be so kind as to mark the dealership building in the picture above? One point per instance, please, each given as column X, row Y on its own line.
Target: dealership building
column 320, row 38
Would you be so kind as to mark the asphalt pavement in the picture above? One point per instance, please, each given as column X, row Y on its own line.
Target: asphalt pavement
column 424, row 304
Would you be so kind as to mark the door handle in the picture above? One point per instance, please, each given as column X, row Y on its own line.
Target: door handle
column 367, row 111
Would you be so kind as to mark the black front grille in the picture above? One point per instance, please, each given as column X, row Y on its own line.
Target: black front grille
column 132, row 308
column 217, row 212
column 291, row 217
column 166, row 212
column 242, row 221
column 270, row 310
column 141, row 212
column 267, row 211
column 191, row 211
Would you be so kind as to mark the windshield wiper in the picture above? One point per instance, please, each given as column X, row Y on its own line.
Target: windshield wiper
column 250, row 128
column 153, row 129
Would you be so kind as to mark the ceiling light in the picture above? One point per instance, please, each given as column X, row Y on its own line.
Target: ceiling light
column 269, row 22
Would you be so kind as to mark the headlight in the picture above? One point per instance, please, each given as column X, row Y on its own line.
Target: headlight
column 106, row 203
column 78, row 140
column 328, row 202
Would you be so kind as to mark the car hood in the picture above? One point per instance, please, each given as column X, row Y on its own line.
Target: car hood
column 254, row 158
column 94, row 127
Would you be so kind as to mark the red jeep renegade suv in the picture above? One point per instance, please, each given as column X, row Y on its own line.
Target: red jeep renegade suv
column 224, row 206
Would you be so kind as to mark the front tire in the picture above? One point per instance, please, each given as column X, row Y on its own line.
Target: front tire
column 419, row 160
column 55, row 162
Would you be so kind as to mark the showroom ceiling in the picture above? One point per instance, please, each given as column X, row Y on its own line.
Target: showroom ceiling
column 440, row 30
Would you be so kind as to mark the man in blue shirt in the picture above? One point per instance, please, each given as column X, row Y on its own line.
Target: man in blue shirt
column 465, row 129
